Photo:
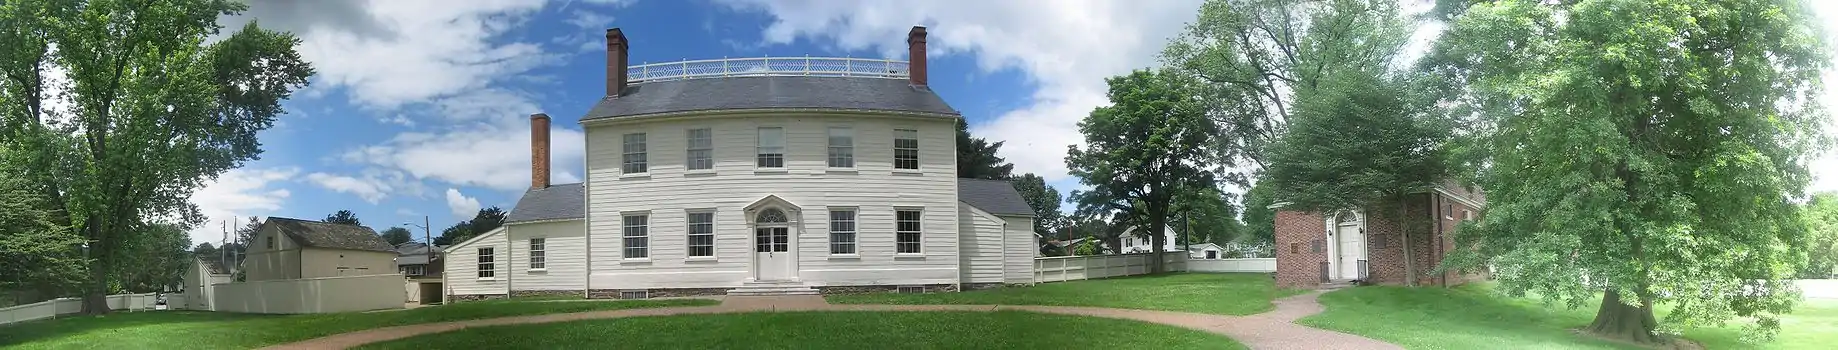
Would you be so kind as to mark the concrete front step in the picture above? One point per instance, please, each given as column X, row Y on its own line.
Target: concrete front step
column 759, row 288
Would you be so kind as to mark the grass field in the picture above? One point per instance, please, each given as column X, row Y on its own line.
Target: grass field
column 828, row 330
column 216, row 330
column 1213, row 293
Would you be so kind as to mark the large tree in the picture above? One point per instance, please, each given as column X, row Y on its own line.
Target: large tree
column 976, row 157
column 397, row 235
column 156, row 260
column 343, row 217
column 1206, row 215
column 1822, row 238
column 1259, row 218
column 154, row 111
column 36, row 252
column 1142, row 150
column 1042, row 198
column 1643, row 151
column 486, row 220
column 1254, row 57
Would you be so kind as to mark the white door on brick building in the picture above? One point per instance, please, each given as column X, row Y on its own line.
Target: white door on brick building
column 1350, row 243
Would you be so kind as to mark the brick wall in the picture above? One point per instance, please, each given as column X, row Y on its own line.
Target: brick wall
column 1385, row 240
column 1298, row 264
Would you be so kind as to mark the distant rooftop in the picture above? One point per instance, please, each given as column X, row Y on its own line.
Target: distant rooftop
column 769, row 66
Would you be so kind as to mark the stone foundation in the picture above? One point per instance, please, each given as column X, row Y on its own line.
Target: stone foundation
column 658, row 293
column 475, row 297
column 535, row 293
column 929, row 288
column 981, row 286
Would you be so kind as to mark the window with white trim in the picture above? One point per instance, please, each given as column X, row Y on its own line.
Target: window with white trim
column 771, row 148
column 538, row 258
column 701, row 149
column 636, row 234
column 487, row 267
column 842, row 147
column 634, row 157
column 701, row 234
column 906, row 231
column 905, row 149
column 842, row 231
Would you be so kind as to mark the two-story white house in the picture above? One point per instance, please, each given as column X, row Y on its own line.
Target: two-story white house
column 755, row 176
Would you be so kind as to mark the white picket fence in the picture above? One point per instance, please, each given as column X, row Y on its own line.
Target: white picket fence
column 1232, row 265
column 1071, row 268
column 65, row 306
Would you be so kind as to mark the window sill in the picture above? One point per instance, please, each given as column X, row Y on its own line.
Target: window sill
column 845, row 257
column 699, row 259
column 636, row 176
column 842, row 171
column 771, row 171
column 699, row 173
column 908, row 172
column 539, row 270
column 487, row 279
column 909, row 256
column 639, row 261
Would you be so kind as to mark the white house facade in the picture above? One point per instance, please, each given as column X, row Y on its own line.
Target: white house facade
column 711, row 177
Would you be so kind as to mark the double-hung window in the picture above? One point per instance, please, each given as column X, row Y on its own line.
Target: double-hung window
column 771, row 148
column 538, row 252
column 487, row 267
column 842, row 147
column 842, row 231
column 906, row 149
column 634, row 157
column 636, row 234
column 701, row 149
column 701, row 234
column 906, row 231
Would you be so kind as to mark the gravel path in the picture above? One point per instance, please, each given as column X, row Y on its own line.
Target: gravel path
column 1269, row 330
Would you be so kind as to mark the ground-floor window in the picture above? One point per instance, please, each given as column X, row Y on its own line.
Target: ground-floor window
column 487, row 267
column 906, row 231
column 636, row 234
column 538, row 253
column 701, row 234
column 842, row 231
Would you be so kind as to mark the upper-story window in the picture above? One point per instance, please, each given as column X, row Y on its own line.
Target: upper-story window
column 771, row 148
column 905, row 149
column 701, row 149
column 842, row 147
column 634, row 160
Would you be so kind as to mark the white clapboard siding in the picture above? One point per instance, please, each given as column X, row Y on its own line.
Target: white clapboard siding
column 564, row 260
column 981, row 239
column 462, row 266
column 873, row 188
column 1018, row 263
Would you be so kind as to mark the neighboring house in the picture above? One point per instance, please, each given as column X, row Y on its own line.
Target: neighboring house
column 748, row 177
column 203, row 272
column 1317, row 248
column 1208, row 251
column 285, row 248
column 422, row 265
column 1134, row 241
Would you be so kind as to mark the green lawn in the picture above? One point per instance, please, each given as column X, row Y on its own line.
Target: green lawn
column 1213, row 293
column 214, row 330
column 829, row 330
column 1472, row 317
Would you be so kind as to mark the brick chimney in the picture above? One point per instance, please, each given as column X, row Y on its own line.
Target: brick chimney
column 539, row 151
column 915, row 52
column 616, row 62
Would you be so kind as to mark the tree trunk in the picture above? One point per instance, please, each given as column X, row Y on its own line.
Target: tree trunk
column 1158, row 221
column 1617, row 320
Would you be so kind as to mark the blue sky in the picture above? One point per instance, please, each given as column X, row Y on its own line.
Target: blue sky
column 420, row 107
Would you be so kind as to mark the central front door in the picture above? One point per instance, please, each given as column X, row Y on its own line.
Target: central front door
column 772, row 247
column 1352, row 251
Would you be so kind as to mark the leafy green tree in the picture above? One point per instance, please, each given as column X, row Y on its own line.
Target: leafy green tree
column 1259, row 219
column 343, row 217
column 1255, row 57
column 1822, row 238
column 397, row 235
column 156, row 259
column 976, row 157
column 1641, row 151
column 154, row 111
column 1209, row 214
column 36, row 253
column 206, row 250
column 455, row 234
column 1087, row 247
column 486, row 220
column 1142, row 150
column 1042, row 198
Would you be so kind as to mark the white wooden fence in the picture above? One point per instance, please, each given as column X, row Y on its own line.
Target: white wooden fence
column 65, row 306
column 1070, row 268
column 310, row 295
column 1818, row 289
column 1232, row 265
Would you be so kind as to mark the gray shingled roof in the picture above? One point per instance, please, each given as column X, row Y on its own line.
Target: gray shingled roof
column 214, row 264
column 774, row 92
column 994, row 196
column 318, row 234
column 565, row 201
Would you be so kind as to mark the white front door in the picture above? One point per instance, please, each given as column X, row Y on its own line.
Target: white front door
column 1352, row 246
column 772, row 250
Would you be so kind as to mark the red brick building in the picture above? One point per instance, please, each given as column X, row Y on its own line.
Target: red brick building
column 1316, row 248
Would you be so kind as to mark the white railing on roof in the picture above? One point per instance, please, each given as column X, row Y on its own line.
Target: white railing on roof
column 768, row 66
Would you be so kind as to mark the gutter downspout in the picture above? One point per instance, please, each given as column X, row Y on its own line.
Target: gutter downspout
column 1440, row 238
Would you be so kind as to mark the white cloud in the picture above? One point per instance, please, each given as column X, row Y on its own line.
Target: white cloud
column 493, row 154
column 463, row 207
column 1066, row 47
column 237, row 195
column 370, row 189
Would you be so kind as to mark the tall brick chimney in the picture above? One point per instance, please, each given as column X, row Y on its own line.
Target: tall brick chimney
column 616, row 62
column 915, row 52
column 539, row 151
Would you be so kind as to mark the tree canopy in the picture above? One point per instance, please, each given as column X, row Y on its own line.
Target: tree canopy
column 154, row 112
column 486, row 220
column 1647, row 152
column 1141, row 151
column 1822, row 237
column 1259, row 218
column 343, row 217
column 976, row 157
column 1042, row 198
column 397, row 235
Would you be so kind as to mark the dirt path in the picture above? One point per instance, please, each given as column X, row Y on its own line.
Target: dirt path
column 1269, row 330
